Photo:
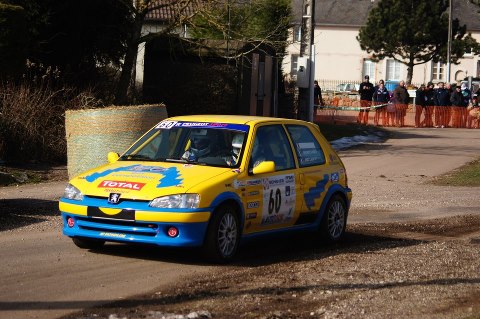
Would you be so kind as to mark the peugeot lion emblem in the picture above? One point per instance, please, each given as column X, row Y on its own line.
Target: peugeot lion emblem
column 114, row 198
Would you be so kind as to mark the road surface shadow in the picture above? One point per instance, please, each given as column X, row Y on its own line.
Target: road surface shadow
column 308, row 246
column 20, row 212
column 261, row 251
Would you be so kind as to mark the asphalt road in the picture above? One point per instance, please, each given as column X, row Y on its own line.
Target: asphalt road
column 43, row 275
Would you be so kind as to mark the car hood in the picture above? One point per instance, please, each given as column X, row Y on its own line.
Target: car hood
column 144, row 181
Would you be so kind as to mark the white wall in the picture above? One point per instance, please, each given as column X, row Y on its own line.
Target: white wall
column 339, row 57
column 338, row 54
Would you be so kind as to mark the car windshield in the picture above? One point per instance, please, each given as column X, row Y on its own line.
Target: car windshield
column 213, row 144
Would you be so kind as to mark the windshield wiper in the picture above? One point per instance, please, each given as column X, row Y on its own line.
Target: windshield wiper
column 175, row 160
column 132, row 157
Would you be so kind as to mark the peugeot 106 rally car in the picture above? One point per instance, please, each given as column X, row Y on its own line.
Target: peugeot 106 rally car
column 209, row 181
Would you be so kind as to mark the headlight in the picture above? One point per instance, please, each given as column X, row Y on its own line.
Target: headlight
column 176, row 201
column 71, row 192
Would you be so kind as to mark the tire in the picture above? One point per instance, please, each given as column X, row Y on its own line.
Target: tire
column 334, row 221
column 223, row 235
column 87, row 243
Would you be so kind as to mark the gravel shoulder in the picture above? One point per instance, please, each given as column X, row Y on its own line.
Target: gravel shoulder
column 394, row 270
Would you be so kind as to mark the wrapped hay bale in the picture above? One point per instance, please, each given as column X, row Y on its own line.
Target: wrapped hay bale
column 92, row 133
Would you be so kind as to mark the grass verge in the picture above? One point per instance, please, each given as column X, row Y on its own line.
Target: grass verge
column 467, row 175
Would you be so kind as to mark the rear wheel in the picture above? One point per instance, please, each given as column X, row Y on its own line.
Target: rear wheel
column 223, row 235
column 88, row 243
column 334, row 220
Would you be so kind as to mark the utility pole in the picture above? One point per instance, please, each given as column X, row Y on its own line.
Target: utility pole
column 305, row 85
column 449, row 43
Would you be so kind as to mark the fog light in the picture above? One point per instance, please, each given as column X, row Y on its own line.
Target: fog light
column 70, row 222
column 172, row 232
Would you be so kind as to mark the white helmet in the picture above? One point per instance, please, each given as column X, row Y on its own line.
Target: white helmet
column 237, row 143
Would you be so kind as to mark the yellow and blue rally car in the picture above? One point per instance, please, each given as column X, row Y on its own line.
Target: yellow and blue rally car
column 210, row 181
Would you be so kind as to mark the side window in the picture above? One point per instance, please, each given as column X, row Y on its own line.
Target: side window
column 307, row 147
column 271, row 144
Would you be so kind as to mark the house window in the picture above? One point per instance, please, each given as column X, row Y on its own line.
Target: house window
column 468, row 52
column 369, row 69
column 393, row 70
column 297, row 33
column 294, row 65
column 438, row 71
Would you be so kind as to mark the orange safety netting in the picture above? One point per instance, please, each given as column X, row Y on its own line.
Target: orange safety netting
column 397, row 114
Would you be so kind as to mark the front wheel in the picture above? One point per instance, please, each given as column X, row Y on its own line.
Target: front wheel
column 87, row 243
column 334, row 221
column 223, row 235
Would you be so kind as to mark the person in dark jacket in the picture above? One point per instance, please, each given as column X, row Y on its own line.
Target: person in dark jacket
column 381, row 96
column 317, row 98
column 456, row 98
column 429, row 104
column 442, row 101
column 466, row 100
column 366, row 95
column 420, row 104
column 401, row 103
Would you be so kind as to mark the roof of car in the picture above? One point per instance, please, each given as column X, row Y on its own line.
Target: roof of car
column 233, row 119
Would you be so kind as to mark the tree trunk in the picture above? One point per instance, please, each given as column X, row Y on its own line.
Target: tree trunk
column 121, row 96
column 409, row 72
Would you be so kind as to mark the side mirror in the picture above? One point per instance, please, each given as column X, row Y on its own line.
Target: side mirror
column 112, row 157
column 264, row 167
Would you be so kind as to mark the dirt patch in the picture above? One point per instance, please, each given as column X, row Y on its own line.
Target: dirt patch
column 35, row 173
column 373, row 273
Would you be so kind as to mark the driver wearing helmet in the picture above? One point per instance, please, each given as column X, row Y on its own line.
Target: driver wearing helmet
column 199, row 146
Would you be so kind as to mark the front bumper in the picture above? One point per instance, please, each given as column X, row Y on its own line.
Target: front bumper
column 133, row 222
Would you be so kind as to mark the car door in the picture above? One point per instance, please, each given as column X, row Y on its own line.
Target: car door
column 273, row 199
column 315, row 175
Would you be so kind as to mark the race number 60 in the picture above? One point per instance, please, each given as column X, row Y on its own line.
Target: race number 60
column 274, row 203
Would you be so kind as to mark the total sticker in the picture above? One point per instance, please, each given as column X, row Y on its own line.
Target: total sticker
column 122, row 185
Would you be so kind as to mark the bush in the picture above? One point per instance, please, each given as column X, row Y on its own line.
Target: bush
column 32, row 126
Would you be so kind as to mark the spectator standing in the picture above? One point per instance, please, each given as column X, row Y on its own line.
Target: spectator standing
column 366, row 95
column 466, row 100
column 401, row 99
column 442, row 101
column 421, row 103
column 429, row 104
column 456, row 98
column 317, row 98
column 380, row 96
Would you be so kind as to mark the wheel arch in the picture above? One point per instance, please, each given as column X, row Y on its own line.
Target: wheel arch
column 229, row 198
column 332, row 192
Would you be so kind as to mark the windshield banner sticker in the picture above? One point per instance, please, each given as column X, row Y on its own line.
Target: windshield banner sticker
column 176, row 124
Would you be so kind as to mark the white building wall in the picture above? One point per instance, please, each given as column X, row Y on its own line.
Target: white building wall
column 338, row 54
column 340, row 58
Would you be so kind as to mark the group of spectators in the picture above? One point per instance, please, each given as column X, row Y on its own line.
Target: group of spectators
column 390, row 107
column 444, row 106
